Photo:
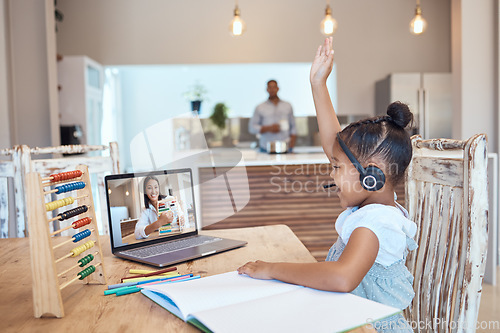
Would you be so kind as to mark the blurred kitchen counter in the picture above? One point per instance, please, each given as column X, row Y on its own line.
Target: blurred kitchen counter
column 231, row 157
column 300, row 155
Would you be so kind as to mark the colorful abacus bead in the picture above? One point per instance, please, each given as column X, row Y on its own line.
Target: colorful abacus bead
column 85, row 260
column 57, row 177
column 81, row 235
column 81, row 222
column 59, row 203
column 82, row 248
column 69, row 187
column 86, row 272
column 73, row 212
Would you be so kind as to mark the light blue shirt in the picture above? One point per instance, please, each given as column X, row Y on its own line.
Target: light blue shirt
column 388, row 281
column 390, row 224
column 268, row 113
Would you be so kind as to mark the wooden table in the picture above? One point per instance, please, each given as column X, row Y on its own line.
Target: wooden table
column 88, row 310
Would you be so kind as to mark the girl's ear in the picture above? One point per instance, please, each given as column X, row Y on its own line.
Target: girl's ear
column 373, row 164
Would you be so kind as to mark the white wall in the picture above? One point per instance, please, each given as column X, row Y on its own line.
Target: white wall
column 32, row 85
column 4, row 95
column 372, row 41
column 474, row 57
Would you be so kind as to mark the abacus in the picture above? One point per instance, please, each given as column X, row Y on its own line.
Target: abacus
column 52, row 272
column 165, row 205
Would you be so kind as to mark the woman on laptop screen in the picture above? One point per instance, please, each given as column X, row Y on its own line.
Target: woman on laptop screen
column 150, row 219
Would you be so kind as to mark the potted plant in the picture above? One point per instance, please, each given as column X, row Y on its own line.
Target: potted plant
column 196, row 94
column 219, row 118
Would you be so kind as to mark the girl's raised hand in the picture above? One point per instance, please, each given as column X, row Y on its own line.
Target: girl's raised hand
column 256, row 269
column 323, row 63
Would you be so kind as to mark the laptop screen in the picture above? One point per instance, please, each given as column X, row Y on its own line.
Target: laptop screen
column 150, row 207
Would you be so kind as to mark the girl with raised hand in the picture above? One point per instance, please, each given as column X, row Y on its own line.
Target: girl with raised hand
column 369, row 159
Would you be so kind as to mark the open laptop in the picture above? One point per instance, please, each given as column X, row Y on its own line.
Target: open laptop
column 135, row 200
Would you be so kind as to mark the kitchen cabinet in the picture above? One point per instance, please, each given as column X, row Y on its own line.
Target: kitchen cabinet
column 429, row 96
column 80, row 99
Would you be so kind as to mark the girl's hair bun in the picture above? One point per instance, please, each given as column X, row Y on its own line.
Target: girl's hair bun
column 400, row 113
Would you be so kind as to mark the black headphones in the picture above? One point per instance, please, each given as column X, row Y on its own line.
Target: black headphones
column 371, row 177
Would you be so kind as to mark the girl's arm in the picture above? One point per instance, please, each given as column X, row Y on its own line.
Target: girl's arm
column 328, row 123
column 343, row 275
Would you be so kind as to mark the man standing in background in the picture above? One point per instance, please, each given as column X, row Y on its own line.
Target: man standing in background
column 273, row 120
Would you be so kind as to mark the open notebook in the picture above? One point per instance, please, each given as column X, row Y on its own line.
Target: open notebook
column 231, row 302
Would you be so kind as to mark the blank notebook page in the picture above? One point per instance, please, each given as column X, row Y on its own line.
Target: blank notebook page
column 218, row 291
column 301, row 310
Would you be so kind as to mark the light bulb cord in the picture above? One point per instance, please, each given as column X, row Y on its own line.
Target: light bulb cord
column 236, row 8
column 328, row 10
column 418, row 9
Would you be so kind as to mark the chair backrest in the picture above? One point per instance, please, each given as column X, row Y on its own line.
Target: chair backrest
column 446, row 195
column 6, row 174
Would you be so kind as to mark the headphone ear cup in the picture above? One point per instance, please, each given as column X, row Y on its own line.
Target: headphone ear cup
column 373, row 179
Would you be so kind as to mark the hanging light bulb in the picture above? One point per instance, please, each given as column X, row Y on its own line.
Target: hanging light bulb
column 418, row 24
column 328, row 24
column 237, row 26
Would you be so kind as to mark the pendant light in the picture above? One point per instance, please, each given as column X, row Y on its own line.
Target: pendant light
column 328, row 25
column 237, row 26
column 418, row 24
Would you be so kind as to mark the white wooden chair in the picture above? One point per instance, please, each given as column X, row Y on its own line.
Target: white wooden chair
column 7, row 171
column 24, row 161
column 446, row 195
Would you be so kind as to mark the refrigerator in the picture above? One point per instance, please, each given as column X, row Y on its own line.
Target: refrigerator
column 429, row 96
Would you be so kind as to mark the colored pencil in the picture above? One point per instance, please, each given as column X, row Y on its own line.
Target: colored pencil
column 179, row 278
column 132, row 279
column 134, row 289
column 141, row 271
column 170, row 269
column 128, row 284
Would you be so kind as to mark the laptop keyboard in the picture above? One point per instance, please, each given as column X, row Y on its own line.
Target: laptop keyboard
column 173, row 246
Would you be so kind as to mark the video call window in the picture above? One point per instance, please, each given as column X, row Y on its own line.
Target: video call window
column 151, row 206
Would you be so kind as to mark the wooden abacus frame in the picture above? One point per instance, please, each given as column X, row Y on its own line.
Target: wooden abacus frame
column 47, row 298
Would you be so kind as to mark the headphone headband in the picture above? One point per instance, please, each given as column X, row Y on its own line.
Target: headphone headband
column 350, row 155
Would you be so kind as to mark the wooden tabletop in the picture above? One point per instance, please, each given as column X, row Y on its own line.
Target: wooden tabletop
column 87, row 309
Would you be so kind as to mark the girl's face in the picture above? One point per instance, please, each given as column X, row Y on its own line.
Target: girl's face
column 346, row 177
column 152, row 190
